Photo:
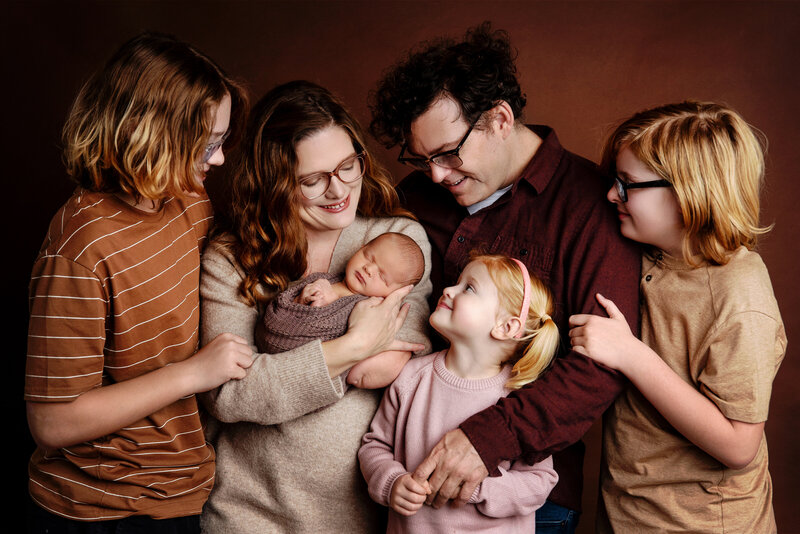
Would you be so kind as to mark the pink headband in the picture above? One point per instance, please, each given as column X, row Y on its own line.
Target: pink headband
column 526, row 296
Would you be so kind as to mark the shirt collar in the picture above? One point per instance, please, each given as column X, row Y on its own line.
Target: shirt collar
column 542, row 166
column 488, row 201
column 672, row 263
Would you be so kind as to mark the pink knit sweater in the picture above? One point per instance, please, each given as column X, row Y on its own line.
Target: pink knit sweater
column 424, row 403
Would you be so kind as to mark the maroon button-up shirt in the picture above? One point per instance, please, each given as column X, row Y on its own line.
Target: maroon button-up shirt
column 556, row 220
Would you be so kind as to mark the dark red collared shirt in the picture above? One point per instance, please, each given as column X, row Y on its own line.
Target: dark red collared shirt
column 555, row 219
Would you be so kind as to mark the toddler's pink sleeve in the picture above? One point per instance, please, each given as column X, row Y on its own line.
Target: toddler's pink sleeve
column 519, row 490
column 377, row 453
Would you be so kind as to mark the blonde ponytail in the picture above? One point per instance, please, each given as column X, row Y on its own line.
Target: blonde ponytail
column 538, row 344
column 539, row 352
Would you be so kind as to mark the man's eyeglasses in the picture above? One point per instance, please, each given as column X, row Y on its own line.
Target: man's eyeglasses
column 211, row 148
column 317, row 184
column 622, row 187
column 448, row 159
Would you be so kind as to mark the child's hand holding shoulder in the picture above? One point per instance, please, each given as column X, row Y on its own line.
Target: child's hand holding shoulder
column 607, row 340
column 317, row 294
column 408, row 494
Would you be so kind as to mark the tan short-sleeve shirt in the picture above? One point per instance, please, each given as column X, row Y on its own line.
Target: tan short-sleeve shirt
column 719, row 328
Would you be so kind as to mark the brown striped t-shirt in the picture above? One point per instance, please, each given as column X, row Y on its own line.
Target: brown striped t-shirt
column 114, row 295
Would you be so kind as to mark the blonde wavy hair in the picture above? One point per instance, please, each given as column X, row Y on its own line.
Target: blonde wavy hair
column 715, row 163
column 263, row 228
column 538, row 345
column 140, row 125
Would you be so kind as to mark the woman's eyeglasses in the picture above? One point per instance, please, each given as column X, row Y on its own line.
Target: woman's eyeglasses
column 315, row 185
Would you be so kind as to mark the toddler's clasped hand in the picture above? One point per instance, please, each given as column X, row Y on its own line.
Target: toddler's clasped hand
column 408, row 494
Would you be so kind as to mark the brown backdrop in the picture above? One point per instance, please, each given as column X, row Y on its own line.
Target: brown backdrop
column 583, row 65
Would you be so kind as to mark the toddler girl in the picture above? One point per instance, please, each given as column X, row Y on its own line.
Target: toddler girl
column 684, row 449
column 497, row 320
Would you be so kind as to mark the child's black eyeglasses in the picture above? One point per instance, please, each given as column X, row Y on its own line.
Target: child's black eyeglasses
column 622, row 187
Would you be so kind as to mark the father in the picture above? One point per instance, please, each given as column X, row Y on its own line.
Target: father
column 484, row 179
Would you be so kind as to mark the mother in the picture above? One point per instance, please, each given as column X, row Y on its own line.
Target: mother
column 286, row 448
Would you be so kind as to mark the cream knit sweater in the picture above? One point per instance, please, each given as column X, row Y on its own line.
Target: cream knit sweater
column 286, row 435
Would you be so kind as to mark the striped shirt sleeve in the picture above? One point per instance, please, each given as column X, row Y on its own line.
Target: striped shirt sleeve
column 66, row 333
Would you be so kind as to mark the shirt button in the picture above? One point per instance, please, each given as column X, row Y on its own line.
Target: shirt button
column 460, row 239
column 648, row 277
column 523, row 252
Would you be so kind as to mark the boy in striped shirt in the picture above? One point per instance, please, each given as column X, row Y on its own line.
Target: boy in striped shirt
column 113, row 365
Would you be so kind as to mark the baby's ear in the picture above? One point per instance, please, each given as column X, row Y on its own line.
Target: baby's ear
column 506, row 328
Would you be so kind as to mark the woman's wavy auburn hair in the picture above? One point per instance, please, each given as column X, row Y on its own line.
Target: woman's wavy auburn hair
column 538, row 345
column 715, row 163
column 266, row 234
column 140, row 125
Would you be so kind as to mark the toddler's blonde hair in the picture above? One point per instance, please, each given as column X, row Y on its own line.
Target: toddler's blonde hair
column 538, row 344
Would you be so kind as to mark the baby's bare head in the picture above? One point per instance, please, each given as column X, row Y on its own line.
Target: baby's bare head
column 407, row 255
column 385, row 264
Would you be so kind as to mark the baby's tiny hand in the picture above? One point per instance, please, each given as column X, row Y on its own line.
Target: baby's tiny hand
column 316, row 294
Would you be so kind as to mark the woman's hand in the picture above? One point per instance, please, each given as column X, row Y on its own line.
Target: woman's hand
column 378, row 371
column 374, row 323
column 372, row 328
column 607, row 340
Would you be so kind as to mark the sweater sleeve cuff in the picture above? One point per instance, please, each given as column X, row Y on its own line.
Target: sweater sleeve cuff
column 492, row 438
column 390, row 481
column 308, row 378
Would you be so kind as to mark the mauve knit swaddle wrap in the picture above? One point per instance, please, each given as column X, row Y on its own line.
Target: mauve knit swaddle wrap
column 287, row 324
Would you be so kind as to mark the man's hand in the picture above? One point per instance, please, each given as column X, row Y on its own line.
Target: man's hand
column 457, row 470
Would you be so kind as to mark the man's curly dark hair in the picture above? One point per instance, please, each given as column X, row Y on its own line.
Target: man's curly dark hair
column 477, row 73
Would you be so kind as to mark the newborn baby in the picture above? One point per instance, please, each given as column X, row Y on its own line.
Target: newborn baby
column 318, row 306
column 388, row 262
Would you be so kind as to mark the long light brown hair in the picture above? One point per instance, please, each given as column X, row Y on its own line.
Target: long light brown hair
column 715, row 163
column 266, row 234
column 140, row 124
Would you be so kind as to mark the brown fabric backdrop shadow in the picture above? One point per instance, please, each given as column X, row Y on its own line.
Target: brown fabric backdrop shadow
column 583, row 65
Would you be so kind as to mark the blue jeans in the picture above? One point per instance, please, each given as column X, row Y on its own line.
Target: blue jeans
column 554, row 519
